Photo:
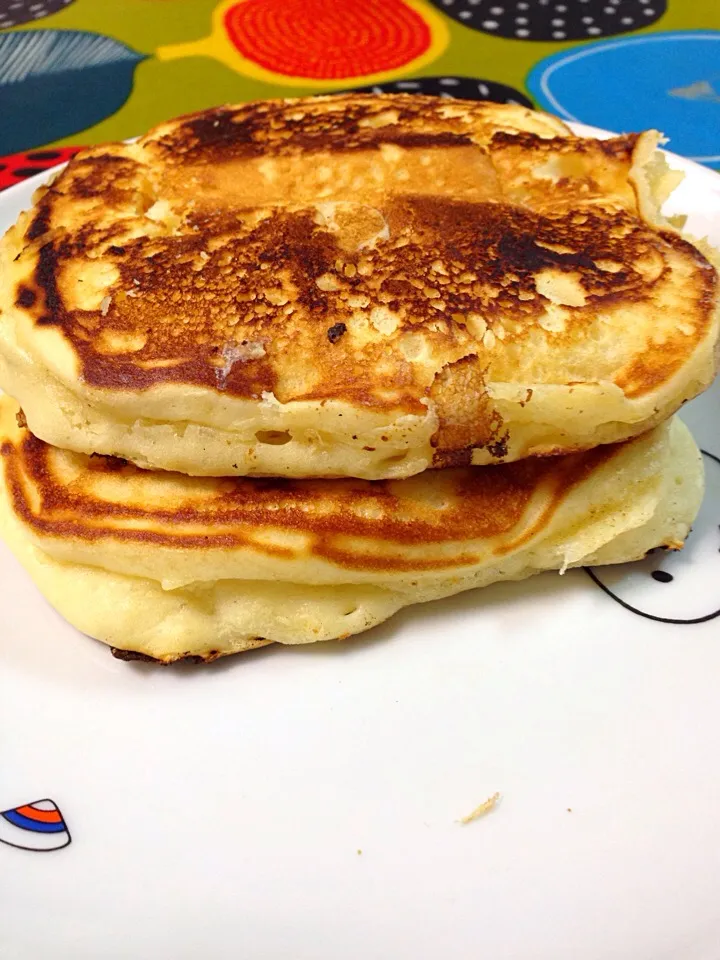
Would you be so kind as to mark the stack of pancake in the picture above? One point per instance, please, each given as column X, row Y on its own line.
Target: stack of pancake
column 282, row 368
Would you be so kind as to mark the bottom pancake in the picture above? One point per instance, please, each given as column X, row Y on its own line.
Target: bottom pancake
column 172, row 567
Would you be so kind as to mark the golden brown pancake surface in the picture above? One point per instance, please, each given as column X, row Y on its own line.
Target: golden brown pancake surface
column 398, row 256
column 94, row 506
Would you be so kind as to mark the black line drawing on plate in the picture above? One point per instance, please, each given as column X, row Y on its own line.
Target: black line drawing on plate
column 670, row 570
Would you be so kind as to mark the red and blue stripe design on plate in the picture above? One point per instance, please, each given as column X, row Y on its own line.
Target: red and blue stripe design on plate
column 34, row 826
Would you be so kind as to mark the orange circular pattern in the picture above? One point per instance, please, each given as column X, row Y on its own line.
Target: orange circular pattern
column 327, row 39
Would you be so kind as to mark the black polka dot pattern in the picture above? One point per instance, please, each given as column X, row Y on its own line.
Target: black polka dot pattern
column 13, row 12
column 19, row 166
column 554, row 20
column 44, row 155
column 462, row 88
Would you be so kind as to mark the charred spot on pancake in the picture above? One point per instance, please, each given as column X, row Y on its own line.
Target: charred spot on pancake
column 130, row 656
column 106, row 464
column 276, row 128
column 26, row 297
column 135, row 656
column 40, row 223
column 102, row 175
column 115, row 249
column 46, row 277
column 452, row 458
column 21, row 420
column 618, row 149
column 498, row 447
column 336, row 331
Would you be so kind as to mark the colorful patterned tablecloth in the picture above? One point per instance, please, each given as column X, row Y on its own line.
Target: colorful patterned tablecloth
column 78, row 72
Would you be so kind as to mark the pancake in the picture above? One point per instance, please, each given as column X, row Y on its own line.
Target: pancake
column 168, row 566
column 357, row 286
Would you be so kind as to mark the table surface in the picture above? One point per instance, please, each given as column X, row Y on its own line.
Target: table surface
column 79, row 72
column 608, row 817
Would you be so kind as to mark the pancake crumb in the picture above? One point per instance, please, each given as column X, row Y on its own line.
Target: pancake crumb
column 482, row 810
column 21, row 421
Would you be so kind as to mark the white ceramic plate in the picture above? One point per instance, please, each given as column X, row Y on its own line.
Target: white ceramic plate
column 303, row 803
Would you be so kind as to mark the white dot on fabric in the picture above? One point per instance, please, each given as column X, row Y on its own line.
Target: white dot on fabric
column 522, row 33
column 558, row 35
column 490, row 24
column 594, row 31
column 588, row 19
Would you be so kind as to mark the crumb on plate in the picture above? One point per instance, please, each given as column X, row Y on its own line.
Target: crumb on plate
column 484, row 808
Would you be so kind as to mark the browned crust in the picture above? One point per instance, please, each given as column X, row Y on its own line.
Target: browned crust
column 484, row 503
column 501, row 249
column 660, row 361
column 229, row 281
column 273, row 127
column 135, row 656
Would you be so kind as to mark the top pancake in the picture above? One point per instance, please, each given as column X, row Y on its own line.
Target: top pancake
column 353, row 286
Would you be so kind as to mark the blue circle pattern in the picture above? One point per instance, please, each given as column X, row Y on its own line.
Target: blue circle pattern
column 668, row 81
